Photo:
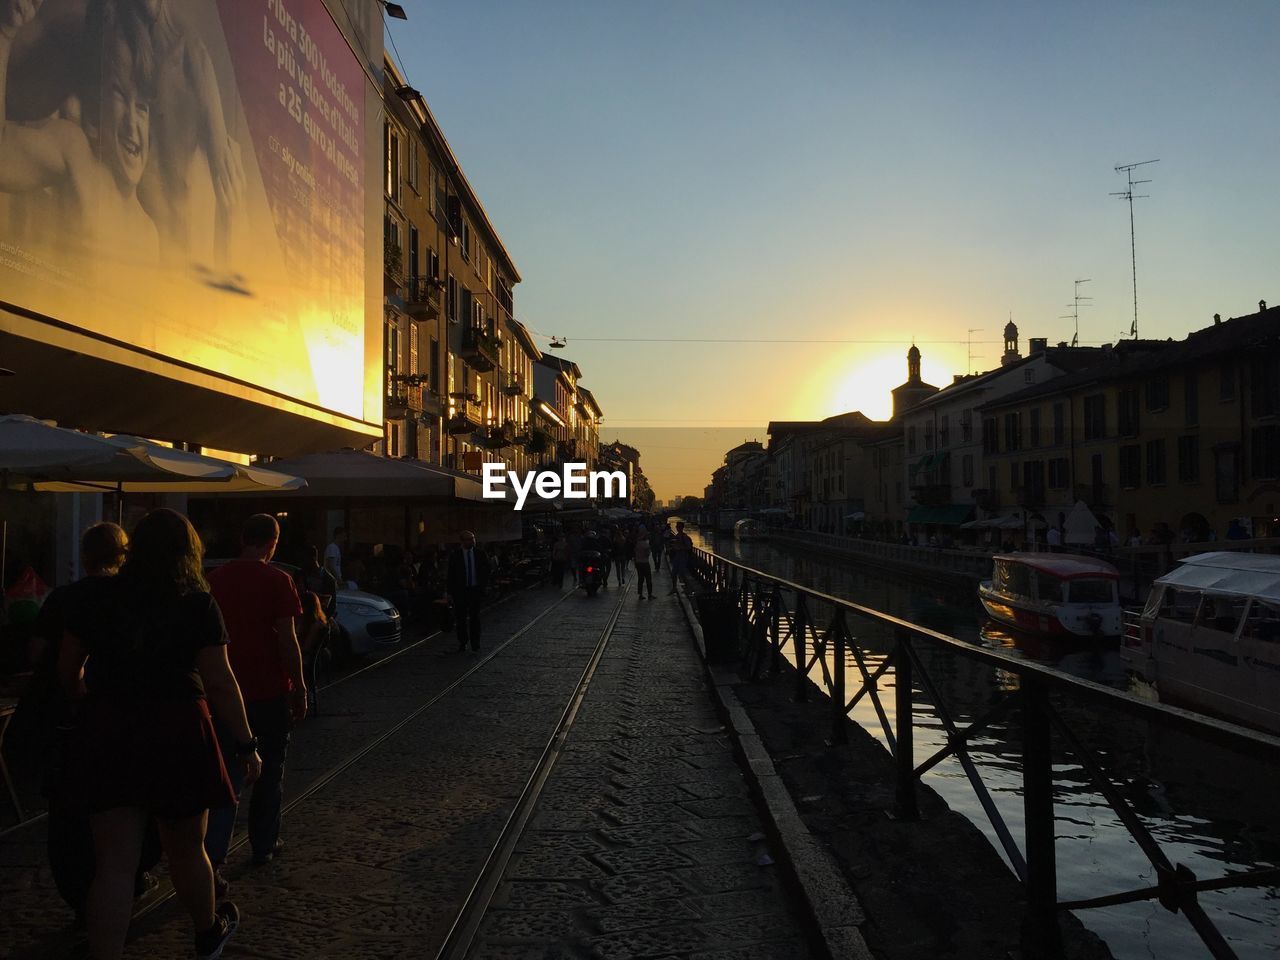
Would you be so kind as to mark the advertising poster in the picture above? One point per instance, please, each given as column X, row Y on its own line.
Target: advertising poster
column 187, row 178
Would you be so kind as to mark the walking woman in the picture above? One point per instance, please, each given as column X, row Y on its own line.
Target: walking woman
column 146, row 652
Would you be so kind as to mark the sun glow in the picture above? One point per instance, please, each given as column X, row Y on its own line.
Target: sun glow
column 860, row 380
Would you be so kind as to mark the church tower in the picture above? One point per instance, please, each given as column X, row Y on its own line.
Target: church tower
column 907, row 395
column 1011, row 354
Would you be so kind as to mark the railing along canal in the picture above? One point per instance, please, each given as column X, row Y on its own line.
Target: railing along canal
column 776, row 617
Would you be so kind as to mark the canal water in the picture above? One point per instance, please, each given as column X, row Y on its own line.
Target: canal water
column 1209, row 809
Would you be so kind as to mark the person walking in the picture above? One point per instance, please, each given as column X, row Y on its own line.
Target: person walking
column 657, row 543
column 679, row 553
column 559, row 561
column 259, row 603
column 640, row 557
column 333, row 554
column 467, row 580
column 146, row 651
column 622, row 551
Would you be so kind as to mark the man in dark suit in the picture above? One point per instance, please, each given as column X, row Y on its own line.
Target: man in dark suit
column 468, row 577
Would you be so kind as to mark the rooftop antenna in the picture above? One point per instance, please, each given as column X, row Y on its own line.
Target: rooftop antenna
column 1129, row 195
column 1074, row 315
column 972, row 331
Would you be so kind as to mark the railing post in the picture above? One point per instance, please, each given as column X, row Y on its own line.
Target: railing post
column 839, row 731
column 1041, row 936
column 775, row 614
column 802, row 654
column 905, row 805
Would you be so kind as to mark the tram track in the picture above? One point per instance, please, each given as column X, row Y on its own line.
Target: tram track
column 475, row 892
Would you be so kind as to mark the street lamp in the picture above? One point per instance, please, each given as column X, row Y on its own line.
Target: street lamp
column 394, row 10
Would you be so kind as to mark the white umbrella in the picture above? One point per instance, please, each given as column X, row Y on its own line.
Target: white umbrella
column 33, row 449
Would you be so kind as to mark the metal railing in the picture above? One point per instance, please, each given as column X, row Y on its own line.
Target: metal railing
column 975, row 562
column 777, row 618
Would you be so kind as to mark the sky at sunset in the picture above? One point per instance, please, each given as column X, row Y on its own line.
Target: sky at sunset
column 822, row 183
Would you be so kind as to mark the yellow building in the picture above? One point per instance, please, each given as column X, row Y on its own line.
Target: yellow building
column 1159, row 438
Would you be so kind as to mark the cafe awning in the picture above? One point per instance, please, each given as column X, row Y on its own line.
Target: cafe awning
column 360, row 474
column 943, row 515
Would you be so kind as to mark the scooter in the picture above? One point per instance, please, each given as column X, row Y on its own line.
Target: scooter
column 591, row 571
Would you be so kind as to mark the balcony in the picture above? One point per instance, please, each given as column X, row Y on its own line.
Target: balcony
column 404, row 396
column 422, row 298
column 513, row 385
column 480, row 348
column 540, row 441
column 432, row 403
column 497, row 437
column 466, row 418
column 392, row 269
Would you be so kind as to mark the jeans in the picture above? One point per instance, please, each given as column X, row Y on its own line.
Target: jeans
column 678, row 565
column 620, row 570
column 270, row 721
column 644, row 576
column 557, row 574
column 466, row 608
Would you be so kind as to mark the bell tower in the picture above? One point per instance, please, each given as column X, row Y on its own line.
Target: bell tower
column 1011, row 354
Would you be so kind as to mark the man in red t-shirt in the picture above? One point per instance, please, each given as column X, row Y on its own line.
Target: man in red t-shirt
column 259, row 603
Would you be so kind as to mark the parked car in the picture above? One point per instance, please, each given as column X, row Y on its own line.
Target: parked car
column 366, row 622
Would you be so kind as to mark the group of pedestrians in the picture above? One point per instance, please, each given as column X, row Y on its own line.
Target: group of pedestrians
column 164, row 695
column 639, row 544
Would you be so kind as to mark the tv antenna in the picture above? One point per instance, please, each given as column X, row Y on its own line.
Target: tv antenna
column 1129, row 195
column 1074, row 315
column 972, row 331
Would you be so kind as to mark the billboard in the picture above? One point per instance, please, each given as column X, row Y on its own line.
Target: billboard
column 187, row 177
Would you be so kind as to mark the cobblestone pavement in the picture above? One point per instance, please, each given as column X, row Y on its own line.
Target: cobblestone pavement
column 644, row 843
column 36, row 923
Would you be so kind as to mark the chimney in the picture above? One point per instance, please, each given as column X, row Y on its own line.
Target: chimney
column 1062, row 344
column 1262, row 305
column 1217, row 319
column 1037, row 345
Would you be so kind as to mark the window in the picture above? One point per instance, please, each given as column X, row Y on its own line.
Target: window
column 465, row 233
column 1263, row 622
column 391, row 148
column 1033, row 483
column 944, row 431
column 1013, row 431
column 1059, row 425
column 1015, row 475
column 966, row 426
column 433, row 264
column 1095, row 417
column 393, row 248
column 1226, row 472
column 1191, row 399
column 990, row 438
column 1266, row 451
column 966, row 470
column 928, row 437
column 1158, row 394
column 414, row 252
column 434, row 373
column 897, row 491
column 1227, row 381
column 1128, row 413
column 1092, row 590
column 451, row 301
column 1189, row 459
column 413, row 166
column 911, row 438
column 1048, row 587
column 1156, row 461
column 1096, row 475
column 991, row 479
column 1035, row 427
column 1029, row 375
column 1058, row 473
column 1264, row 385
column 1130, row 466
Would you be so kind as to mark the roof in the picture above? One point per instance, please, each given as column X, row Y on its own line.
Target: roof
column 590, row 398
column 1066, row 359
column 1137, row 358
column 560, row 363
column 1232, row 574
column 522, row 335
column 1064, row 566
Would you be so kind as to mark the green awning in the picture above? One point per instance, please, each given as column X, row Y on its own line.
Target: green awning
column 945, row 515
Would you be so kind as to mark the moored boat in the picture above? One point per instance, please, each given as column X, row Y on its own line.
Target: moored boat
column 1209, row 636
column 1058, row 594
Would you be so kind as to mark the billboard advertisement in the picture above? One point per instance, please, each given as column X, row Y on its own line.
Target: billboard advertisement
column 187, row 178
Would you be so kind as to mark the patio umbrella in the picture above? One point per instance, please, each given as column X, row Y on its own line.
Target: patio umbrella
column 33, row 449
column 358, row 473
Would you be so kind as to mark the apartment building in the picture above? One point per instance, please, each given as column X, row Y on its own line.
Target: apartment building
column 1156, row 436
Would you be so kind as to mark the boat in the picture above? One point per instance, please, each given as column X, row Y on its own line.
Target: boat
column 1209, row 637
column 1056, row 594
column 747, row 530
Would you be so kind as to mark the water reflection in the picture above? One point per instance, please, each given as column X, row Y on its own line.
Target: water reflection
column 1209, row 808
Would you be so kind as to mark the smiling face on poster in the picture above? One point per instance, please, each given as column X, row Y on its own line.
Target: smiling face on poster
column 187, row 178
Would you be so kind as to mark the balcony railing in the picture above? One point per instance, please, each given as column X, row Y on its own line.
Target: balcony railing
column 497, row 437
column 480, row 348
column 540, row 441
column 466, row 418
column 422, row 298
column 513, row 385
column 393, row 268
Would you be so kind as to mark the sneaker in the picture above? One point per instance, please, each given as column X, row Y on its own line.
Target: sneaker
column 210, row 943
column 277, row 848
column 221, row 885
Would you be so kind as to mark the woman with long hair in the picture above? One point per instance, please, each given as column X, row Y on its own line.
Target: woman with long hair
column 146, row 652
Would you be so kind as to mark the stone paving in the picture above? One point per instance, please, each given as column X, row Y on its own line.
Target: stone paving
column 645, row 843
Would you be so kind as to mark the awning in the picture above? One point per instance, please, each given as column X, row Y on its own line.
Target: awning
column 945, row 515
column 357, row 473
column 929, row 461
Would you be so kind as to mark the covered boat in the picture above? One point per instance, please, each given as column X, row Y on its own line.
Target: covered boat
column 1209, row 636
column 1062, row 594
